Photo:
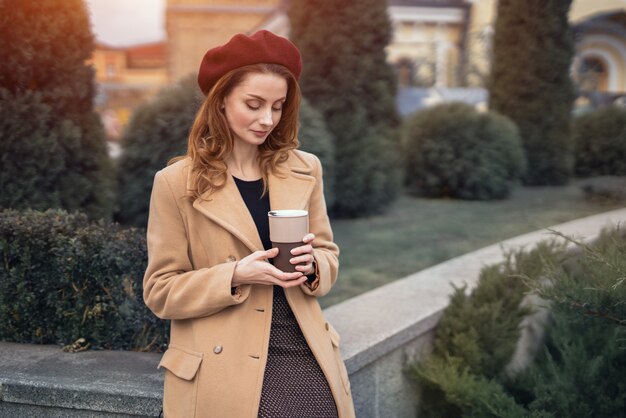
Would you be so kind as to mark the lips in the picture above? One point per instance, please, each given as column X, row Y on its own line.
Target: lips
column 260, row 134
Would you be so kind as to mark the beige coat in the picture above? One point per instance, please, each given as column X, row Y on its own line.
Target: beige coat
column 216, row 359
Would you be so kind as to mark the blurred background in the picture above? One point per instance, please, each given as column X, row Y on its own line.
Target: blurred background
column 443, row 126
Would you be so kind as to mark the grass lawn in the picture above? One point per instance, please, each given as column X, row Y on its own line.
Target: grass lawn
column 416, row 233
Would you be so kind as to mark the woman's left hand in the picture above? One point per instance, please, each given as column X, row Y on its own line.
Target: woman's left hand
column 303, row 256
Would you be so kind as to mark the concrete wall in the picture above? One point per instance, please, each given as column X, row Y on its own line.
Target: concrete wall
column 382, row 330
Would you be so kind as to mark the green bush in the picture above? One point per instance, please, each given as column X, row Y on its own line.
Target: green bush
column 476, row 338
column 600, row 142
column 580, row 371
column 157, row 132
column 454, row 151
column 349, row 81
column 63, row 278
column 315, row 138
column 530, row 83
column 39, row 160
column 53, row 147
column 579, row 368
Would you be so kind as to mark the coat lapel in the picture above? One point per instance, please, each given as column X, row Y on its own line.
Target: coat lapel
column 290, row 188
column 227, row 209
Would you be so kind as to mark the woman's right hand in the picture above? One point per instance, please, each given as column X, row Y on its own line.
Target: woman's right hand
column 254, row 269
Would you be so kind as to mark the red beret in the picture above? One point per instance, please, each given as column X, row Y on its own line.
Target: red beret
column 241, row 50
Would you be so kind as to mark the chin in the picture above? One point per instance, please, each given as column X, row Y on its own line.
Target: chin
column 256, row 140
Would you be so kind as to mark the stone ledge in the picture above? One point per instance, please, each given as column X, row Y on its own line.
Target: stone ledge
column 111, row 382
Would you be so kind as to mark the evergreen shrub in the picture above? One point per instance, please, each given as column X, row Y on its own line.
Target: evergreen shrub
column 580, row 370
column 476, row 338
column 315, row 138
column 454, row 151
column 156, row 133
column 64, row 278
column 579, row 367
column 53, row 151
column 530, row 83
column 600, row 142
column 32, row 153
column 346, row 77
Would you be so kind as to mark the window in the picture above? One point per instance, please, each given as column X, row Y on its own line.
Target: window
column 111, row 70
column 593, row 75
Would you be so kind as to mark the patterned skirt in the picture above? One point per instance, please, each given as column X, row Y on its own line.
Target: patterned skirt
column 293, row 385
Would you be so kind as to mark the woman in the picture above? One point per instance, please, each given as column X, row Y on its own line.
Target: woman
column 247, row 340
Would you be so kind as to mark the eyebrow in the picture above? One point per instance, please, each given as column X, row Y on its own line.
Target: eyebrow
column 262, row 99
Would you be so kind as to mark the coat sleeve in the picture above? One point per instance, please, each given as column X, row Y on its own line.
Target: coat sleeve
column 325, row 251
column 172, row 289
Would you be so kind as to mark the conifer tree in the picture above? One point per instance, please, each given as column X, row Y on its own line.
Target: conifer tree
column 346, row 77
column 530, row 82
column 46, row 84
column 157, row 132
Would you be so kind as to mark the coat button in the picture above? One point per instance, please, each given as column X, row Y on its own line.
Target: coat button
column 231, row 258
column 326, row 326
column 217, row 349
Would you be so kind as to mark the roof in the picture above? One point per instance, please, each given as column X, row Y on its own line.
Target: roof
column 147, row 55
column 152, row 55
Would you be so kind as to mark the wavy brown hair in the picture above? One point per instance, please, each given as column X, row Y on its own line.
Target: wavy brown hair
column 211, row 140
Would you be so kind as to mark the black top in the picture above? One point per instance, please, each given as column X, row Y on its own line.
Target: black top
column 258, row 206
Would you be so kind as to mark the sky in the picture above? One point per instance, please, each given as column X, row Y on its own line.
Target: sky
column 127, row 22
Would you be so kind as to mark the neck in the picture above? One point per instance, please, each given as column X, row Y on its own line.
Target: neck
column 243, row 162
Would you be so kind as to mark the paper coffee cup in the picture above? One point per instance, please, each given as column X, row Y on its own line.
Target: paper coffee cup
column 287, row 228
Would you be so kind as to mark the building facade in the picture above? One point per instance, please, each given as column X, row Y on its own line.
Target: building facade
column 126, row 77
column 193, row 26
column 600, row 64
column 447, row 43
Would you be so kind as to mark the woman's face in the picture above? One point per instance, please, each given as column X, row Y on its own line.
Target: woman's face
column 254, row 107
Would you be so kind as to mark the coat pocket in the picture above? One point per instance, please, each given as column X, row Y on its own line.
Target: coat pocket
column 334, row 338
column 181, row 384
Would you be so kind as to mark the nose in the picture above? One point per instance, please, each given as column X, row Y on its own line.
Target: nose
column 266, row 118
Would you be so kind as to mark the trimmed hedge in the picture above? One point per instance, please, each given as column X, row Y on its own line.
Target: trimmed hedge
column 454, row 151
column 64, row 278
column 600, row 142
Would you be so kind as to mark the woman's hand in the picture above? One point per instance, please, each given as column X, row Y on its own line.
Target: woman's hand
column 254, row 269
column 303, row 256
